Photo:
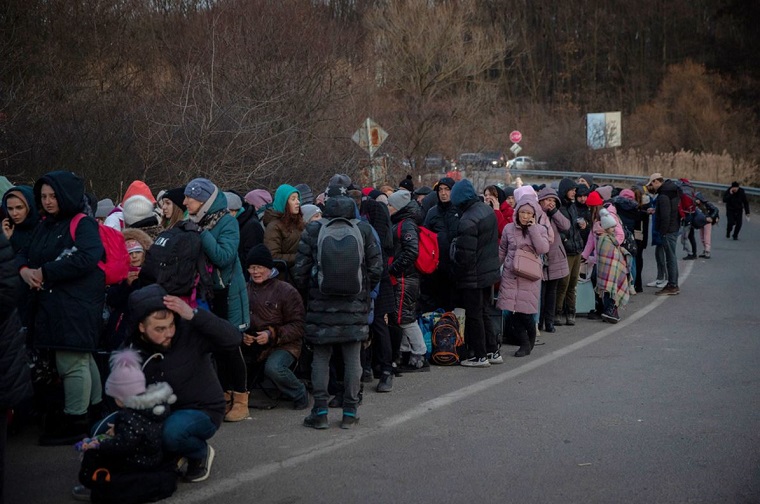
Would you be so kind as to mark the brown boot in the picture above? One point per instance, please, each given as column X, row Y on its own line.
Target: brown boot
column 239, row 409
column 227, row 401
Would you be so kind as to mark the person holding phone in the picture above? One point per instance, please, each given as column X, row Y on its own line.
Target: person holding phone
column 18, row 204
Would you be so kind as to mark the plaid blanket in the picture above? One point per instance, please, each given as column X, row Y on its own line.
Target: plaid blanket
column 612, row 274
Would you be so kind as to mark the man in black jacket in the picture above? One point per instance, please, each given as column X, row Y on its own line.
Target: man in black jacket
column 668, row 224
column 176, row 343
column 475, row 253
column 442, row 219
column 736, row 201
column 573, row 241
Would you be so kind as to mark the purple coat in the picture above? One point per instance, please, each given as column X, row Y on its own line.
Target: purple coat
column 519, row 294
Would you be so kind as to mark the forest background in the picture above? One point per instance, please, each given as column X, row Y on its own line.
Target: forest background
column 254, row 93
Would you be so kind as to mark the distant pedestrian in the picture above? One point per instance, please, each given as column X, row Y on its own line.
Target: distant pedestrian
column 736, row 201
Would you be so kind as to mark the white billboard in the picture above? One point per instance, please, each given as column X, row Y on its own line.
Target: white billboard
column 604, row 130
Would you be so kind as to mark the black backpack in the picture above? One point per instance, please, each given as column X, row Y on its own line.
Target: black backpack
column 176, row 261
column 629, row 242
column 340, row 257
column 112, row 483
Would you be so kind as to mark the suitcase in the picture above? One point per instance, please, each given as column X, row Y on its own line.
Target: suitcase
column 584, row 297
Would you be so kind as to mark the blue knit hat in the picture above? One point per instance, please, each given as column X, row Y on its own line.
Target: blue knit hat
column 200, row 189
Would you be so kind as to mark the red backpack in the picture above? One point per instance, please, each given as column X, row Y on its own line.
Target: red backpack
column 116, row 263
column 428, row 253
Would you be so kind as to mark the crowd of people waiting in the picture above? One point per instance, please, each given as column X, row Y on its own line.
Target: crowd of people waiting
column 268, row 295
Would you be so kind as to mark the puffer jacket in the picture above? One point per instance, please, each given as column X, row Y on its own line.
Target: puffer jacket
column 220, row 244
column 572, row 237
column 627, row 210
column 476, row 243
column 336, row 319
column 22, row 233
column 15, row 384
column 443, row 219
column 281, row 241
column 377, row 215
column 69, row 307
column 666, row 208
column 557, row 257
column 276, row 305
column 519, row 294
column 406, row 239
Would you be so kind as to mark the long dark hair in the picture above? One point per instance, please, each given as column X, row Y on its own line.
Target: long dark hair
column 292, row 220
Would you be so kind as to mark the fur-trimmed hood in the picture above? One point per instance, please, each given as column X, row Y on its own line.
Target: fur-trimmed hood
column 139, row 235
column 155, row 398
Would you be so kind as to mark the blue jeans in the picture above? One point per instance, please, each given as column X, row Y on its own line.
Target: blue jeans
column 669, row 242
column 186, row 432
column 277, row 369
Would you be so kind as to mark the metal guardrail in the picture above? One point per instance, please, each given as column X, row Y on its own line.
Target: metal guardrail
column 752, row 191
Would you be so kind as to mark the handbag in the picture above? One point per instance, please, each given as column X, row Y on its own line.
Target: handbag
column 527, row 264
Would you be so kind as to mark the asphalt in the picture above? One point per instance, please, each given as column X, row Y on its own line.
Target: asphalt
column 660, row 408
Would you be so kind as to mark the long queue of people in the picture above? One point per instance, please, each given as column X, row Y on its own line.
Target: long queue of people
column 223, row 289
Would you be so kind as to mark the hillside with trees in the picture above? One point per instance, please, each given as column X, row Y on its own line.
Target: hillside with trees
column 252, row 93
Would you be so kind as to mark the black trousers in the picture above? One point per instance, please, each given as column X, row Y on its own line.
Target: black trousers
column 733, row 221
column 548, row 301
column 382, row 350
column 478, row 330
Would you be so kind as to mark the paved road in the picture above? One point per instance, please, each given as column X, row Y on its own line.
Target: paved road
column 663, row 407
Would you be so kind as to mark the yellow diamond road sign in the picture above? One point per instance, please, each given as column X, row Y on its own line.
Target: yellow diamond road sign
column 370, row 136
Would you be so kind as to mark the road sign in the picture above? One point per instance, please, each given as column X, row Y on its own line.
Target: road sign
column 370, row 136
column 515, row 149
column 515, row 137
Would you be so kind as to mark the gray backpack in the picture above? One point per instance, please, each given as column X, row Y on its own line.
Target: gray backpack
column 340, row 257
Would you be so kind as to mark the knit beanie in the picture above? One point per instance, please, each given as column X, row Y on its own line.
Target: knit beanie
column 340, row 179
column 367, row 190
column 422, row 191
column 105, row 206
column 333, row 191
column 399, row 199
column 200, row 189
column 137, row 208
column 407, row 184
column 134, row 246
column 509, row 191
column 307, row 196
column 176, row 196
column 594, row 199
column 141, row 188
column 606, row 219
column 605, row 192
column 145, row 301
column 628, row 194
column 447, row 181
column 233, row 201
column 258, row 198
column 309, row 211
column 259, row 256
column 281, row 196
column 582, row 190
column 126, row 378
column 588, row 178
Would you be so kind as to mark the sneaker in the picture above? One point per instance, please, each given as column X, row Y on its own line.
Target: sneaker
column 199, row 469
column 476, row 362
column 612, row 318
column 317, row 420
column 658, row 283
column 668, row 290
column 350, row 420
column 386, row 382
column 704, row 255
column 495, row 358
column 690, row 257
column 81, row 493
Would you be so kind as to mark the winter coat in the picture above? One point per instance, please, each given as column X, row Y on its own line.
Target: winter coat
column 22, row 233
column 138, row 428
column 556, row 258
column 519, row 294
column 504, row 215
column 628, row 211
column 589, row 253
column 572, row 237
column 186, row 366
column 406, row 239
column 612, row 272
column 736, row 202
column 281, row 241
column 584, row 212
column 251, row 234
column 220, row 244
column 476, row 243
column 276, row 305
column 336, row 319
column 666, row 208
column 443, row 219
column 707, row 208
column 15, row 384
column 68, row 310
column 377, row 215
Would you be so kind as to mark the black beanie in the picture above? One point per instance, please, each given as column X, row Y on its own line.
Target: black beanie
column 145, row 301
column 407, row 184
column 260, row 256
column 176, row 196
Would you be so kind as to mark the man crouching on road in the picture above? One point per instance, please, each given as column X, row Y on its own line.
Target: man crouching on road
column 176, row 343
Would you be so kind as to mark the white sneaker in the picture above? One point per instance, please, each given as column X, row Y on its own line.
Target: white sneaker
column 475, row 362
column 658, row 283
column 495, row 358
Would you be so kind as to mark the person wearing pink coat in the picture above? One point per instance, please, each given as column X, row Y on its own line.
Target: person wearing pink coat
column 517, row 294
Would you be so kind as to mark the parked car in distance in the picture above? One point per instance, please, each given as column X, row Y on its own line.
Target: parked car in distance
column 493, row 158
column 436, row 162
column 521, row 163
column 468, row 159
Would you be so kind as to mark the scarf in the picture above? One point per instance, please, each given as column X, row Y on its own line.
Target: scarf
column 205, row 208
column 210, row 220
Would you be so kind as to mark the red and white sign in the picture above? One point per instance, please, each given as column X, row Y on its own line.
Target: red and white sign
column 515, row 137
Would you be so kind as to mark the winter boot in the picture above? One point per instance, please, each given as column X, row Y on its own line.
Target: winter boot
column 570, row 318
column 227, row 401
column 386, row 382
column 239, row 410
column 558, row 319
column 317, row 419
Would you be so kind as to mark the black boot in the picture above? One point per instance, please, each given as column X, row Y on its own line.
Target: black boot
column 65, row 430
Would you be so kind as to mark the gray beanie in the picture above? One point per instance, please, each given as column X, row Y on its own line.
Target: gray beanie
column 137, row 208
column 340, row 179
column 233, row 201
column 104, row 208
column 200, row 189
column 307, row 196
column 399, row 199
column 309, row 211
